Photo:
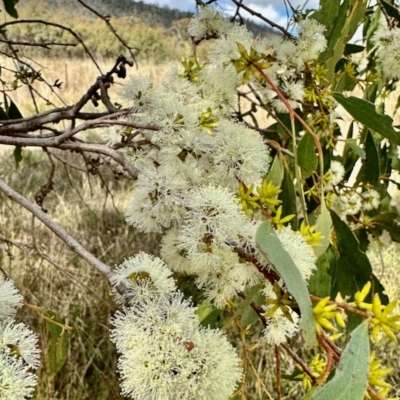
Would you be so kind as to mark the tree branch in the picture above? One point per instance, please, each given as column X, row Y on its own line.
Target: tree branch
column 57, row 229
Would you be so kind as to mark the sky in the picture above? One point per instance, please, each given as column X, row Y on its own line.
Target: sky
column 272, row 9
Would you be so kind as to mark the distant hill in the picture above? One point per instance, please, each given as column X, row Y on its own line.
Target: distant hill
column 148, row 13
column 157, row 34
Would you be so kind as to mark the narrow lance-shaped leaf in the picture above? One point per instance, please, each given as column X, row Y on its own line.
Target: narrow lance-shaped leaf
column 340, row 30
column 272, row 248
column 353, row 268
column 9, row 6
column 323, row 225
column 307, row 156
column 363, row 111
column 351, row 377
column 275, row 173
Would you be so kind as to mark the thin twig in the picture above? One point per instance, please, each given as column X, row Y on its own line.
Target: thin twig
column 260, row 16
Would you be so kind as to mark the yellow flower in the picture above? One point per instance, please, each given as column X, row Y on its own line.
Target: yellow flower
column 312, row 238
column 268, row 193
column 376, row 373
column 278, row 221
column 251, row 63
column 381, row 318
column 316, row 367
column 247, row 199
column 324, row 313
column 282, row 301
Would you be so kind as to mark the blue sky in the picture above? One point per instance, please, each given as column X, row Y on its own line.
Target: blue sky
column 272, row 9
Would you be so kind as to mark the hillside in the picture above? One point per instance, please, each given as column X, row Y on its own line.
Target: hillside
column 157, row 34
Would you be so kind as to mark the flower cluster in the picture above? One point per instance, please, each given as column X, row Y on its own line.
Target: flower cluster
column 19, row 352
column 202, row 183
column 165, row 353
column 387, row 41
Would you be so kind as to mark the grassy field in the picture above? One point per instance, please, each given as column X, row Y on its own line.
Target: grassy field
column 90, row 207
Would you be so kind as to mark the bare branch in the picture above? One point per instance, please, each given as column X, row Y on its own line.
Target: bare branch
column 45, row 45
column 57, row 229
column 48, row 23
column 36, row 122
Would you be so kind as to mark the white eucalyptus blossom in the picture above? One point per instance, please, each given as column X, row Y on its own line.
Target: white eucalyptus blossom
column 225, row 49
column 278, row 327
column 347, row 203
column 387, row 42
column 18, row 340
column 240, row 154
column 299, row 251
column 10, row 299
column 165, row 354
column 334, row 175
column 139, row 92
column 310, row 42
column 208, row 21
column 227, row 277
column 174, row 256
column 16, row 380
column 144, row 276
column 213, row 218
column 370, row 199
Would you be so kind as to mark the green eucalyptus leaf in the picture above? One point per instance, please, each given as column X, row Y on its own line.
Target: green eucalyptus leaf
column 327, row 13
column 340, row 30
column 13, row 112
column 363, row 111
column 207, row 314
column 288, row 197
column 370, row 170
column 345, row 83
column 9, row 6
column 244, row 305
column 276, row 172
column 352, row 143
column 57, row 348
column 17, row 155
column 3, row 114
column 320, row 281
column 353, row 266
column 387, row 221
column 352, row 48
column 351, row 377
column 323, row 225
column 306, row 155
column 272, row 248
column 391, row 10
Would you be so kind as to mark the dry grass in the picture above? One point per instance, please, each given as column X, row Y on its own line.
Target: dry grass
column 52, row 277
column 76, row 77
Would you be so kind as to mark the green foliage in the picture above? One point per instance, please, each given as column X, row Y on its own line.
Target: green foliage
column 58, row 336
column 364, row 111
column 9, row 6
column 353, row 266
column 280, row 259
column 351, row 377
column 306, row 155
